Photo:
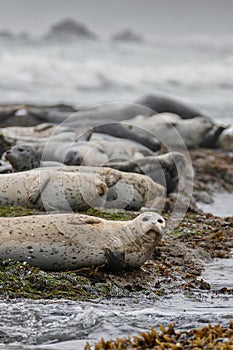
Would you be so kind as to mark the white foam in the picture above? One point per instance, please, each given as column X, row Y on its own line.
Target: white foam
column 90, row 73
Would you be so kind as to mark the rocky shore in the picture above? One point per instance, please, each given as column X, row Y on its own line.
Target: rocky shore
column 209, row 337
column 177, row 264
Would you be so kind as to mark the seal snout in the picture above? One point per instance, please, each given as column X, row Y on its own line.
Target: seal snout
column 152, row 225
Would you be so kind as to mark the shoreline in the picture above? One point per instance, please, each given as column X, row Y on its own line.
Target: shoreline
column 176, row 266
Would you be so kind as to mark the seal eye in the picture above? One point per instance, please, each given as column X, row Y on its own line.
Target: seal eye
column 145, row 219
column 160, row 221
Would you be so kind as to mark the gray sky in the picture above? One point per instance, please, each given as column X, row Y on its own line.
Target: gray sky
column 150, row 17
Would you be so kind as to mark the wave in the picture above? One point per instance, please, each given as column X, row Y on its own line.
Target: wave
column 67, row 71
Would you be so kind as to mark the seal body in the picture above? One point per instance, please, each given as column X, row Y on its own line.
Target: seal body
column 98, row 152
column 173, row 131
column 38, row 136
column 24, row 157
column 165, row 169
column 51, row 189
column 79, row 188
column 72, row 241
column 160, row 104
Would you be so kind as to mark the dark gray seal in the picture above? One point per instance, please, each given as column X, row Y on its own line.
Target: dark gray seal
column 25, row 157
column 161, row 104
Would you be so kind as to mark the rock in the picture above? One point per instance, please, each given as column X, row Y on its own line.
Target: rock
column 69, row 29
column 127, row 35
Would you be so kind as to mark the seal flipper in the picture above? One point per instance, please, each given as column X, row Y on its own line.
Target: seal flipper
column 115, row 255
column 37, row 188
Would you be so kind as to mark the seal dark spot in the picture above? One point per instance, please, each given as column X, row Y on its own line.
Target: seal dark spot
column 145, row 219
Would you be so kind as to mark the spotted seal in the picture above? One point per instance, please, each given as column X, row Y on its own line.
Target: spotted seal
column 24, row 157
column 78, row 188
column 51, row 189
column 165, row 169
column 72, row 241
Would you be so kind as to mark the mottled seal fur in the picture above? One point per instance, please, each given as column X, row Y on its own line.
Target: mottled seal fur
column 72, row 241
column 165, row 169
column 51, row 189
column 78, row 188
column 25, row 157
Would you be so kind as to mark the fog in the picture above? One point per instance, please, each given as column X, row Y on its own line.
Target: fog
column 149, row 17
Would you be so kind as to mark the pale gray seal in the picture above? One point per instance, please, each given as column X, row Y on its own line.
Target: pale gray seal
column 72, row 241
column 98, row 152
column 5, row 167
column 39, row 135
column 74, row 153
column 165, row 169
column 226, row 139
column 78, row 188
column 51, row 189
column 173, row 131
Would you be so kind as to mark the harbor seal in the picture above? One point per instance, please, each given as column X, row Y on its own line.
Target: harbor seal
column 226, row 139
column 79, row 188
column 165, row 169
column 39, row 135
column 160, row 104
column 5, row 167
column 133, row 191
column 98, row 152
column 74, row 153
column 59, row 242
column 25, row 157
column 51, row 189
column 176, row 133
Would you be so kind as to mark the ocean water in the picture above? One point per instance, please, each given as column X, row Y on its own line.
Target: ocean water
column 68, row 325
column 195, row 70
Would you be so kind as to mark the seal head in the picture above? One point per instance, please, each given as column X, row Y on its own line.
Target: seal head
column 23, row 157
column 150, row 227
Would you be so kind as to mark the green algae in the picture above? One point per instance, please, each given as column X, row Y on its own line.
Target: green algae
column 112, row 214
column 20, row 280
column 169, row 264
column 13, row 211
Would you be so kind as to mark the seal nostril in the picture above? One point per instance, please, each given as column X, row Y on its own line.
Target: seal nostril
column 160, row 221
